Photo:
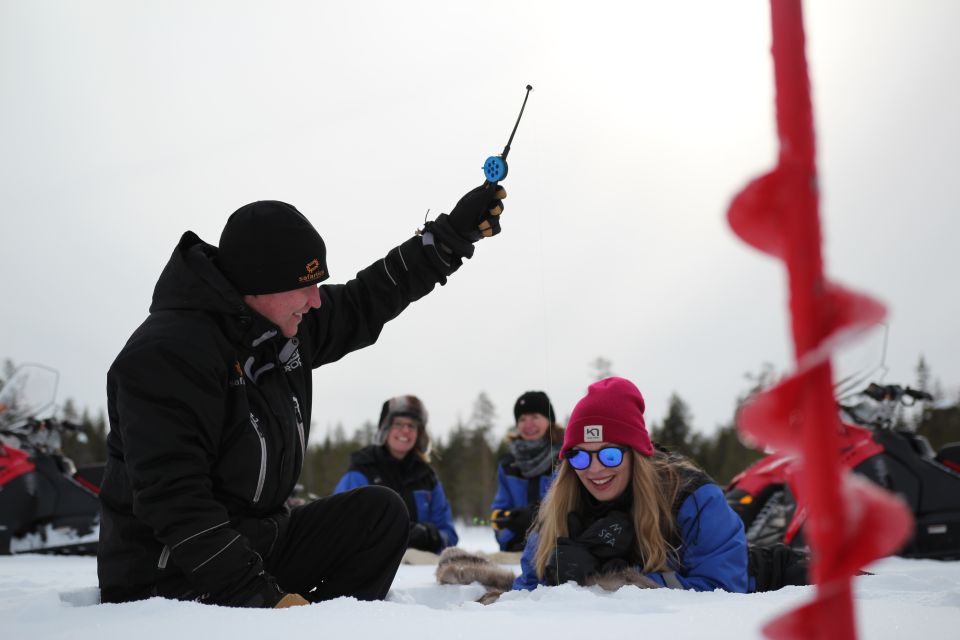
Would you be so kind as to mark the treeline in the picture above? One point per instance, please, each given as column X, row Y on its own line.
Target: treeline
column 466, row 457
column 466, row 460
column 938, row 421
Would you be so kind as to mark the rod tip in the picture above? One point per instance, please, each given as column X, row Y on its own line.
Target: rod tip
column 529, row 87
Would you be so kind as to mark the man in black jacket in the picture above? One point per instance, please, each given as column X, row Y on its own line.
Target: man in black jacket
column 209, row 405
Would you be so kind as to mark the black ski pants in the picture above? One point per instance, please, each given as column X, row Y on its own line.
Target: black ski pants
column 348, row 544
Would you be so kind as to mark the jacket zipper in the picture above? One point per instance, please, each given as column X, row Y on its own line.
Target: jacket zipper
column 164, row 556
column 296, row 407
column 263, row 459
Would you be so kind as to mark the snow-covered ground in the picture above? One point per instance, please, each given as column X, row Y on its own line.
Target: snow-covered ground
column 52, row 597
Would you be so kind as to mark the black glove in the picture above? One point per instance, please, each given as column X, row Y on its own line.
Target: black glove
column 425, row 537
column 517, row 520
column 477, row 214
column 608, row 537
column 569, row 561
column 261, row 592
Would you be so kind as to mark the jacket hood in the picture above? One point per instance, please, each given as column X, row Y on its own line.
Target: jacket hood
column 192, row 280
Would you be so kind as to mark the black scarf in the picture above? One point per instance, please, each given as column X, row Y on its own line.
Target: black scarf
column 533, row 457
column 592, row 509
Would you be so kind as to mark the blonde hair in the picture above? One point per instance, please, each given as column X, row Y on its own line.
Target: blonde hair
column 425, row 456
column 656, row 481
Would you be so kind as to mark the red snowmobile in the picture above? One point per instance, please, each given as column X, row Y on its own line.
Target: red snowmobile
column 47, row 505
column 766, row 498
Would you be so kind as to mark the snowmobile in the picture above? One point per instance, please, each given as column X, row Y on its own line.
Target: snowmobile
column 766, row 498
column 47, row 504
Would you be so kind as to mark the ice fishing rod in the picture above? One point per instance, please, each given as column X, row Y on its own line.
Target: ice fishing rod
column 495, row 168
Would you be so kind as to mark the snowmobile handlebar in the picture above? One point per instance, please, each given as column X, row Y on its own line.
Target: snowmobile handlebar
column 41, row 435
column 895, row 393
column 49, row 424
column 886, row 401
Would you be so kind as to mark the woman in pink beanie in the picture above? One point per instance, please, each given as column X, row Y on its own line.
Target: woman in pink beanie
column 624, row 512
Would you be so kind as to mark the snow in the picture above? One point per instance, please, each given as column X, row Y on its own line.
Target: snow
column 55, row 597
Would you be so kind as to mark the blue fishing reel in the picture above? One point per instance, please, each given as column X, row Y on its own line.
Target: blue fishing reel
column 495, row 167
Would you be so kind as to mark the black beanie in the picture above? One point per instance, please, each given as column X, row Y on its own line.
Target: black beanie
column 268, row 247
column 534, row 402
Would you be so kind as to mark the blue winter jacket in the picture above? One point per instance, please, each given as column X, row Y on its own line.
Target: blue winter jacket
column 712, row 554
column 514, row 492
column 413, row 479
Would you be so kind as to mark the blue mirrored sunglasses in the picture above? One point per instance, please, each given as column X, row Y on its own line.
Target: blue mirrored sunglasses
column 580, row 459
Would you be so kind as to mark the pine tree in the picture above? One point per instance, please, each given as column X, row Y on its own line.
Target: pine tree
column 87, row 445
column 326, row 462
column 452, row 468
column 675, row 432
column 468, row 466
column 923, row 375
column 601, row 368
column 484, row 415
column 940, row 425
column 367, row 433
column 725, row 455
column 8, row 369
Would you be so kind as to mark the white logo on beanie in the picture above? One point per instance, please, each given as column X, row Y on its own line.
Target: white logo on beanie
column 593, row 433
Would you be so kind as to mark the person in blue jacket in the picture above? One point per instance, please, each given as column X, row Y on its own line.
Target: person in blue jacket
column 526, row 470
column 401, row 461
column 619, row 505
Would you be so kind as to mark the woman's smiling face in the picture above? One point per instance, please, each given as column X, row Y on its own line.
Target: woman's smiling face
column 532, row 426
column 605, row 483
column 402, row 436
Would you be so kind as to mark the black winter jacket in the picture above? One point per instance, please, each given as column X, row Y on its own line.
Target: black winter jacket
column 209, row 409
column 405, row 476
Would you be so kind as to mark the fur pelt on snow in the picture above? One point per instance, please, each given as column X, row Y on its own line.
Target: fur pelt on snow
column 462, row 567
column 612, row 581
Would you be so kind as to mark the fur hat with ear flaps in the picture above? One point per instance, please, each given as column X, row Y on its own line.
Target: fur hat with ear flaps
column 407, row 407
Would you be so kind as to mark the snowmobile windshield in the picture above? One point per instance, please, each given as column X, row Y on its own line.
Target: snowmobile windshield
column 29, row 393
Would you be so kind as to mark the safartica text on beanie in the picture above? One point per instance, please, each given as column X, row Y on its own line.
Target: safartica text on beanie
column 612, row 411
column 269, row 247
column 409, row 407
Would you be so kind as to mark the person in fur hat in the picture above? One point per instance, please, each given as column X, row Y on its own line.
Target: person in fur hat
column 525, row 471
column 620, row 507
column 400, row 460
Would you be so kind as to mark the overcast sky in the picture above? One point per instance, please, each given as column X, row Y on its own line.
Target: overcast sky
column 123, row 124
